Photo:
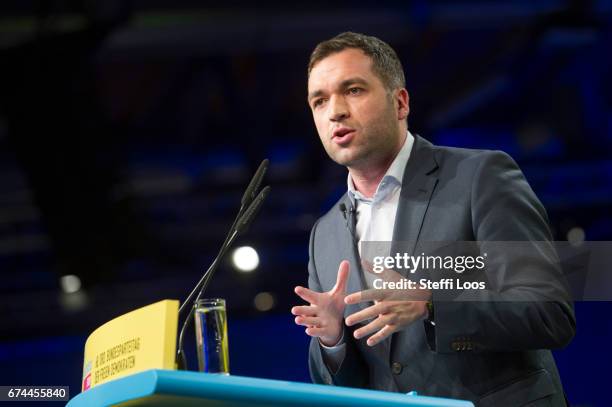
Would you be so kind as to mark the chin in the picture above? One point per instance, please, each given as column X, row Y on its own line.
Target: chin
column 344, row 160
column 345, row 156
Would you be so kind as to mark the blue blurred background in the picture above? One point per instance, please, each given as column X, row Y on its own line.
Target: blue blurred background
column 128, row 130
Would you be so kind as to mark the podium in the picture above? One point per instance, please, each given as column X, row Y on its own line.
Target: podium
column 184, row 388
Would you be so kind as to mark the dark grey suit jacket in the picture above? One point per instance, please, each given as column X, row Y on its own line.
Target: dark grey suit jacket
column 492, row 353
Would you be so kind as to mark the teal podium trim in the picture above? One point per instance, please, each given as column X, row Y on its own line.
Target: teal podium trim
column 183, row 388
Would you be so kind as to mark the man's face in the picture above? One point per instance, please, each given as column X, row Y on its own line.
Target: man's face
column 357, row 119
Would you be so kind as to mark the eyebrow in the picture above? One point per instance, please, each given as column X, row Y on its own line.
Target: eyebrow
column 343, row 85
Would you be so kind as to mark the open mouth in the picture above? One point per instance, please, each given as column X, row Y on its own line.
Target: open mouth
column 343, row 135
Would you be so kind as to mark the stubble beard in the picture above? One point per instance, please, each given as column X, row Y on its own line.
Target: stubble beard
column 379, row 141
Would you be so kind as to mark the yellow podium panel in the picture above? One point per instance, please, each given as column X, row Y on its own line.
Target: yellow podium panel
column 139, row 340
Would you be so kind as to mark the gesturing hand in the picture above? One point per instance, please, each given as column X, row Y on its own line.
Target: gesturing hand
column 393, row 309
column 323, row 318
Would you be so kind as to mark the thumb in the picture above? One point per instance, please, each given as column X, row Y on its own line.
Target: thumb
column 382, row 272
column 343, row 275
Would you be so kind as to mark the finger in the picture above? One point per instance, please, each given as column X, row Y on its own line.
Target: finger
column 308, row 321
column 365, row 314
column 379, row 336
column 390, row 275
column 304, row 310
column 306, row 294
column 383, row 273
column 368, row 266
column 315, row 331
column 342, row 279
column 373, row 326
column 366, row 295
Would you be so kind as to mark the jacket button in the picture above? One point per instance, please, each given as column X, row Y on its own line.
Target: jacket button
column 396, row 368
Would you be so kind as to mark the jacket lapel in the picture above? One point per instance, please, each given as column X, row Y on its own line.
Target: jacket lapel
column 418, row 184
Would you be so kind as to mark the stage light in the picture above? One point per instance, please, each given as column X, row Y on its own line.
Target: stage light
column 264, row 301
column 70, row 283
column 245, row 259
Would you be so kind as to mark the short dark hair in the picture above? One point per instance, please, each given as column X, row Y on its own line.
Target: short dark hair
column 385, row 63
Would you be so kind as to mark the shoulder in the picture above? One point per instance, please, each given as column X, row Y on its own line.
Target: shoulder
column 479, row 169
column 466, row 164
column 454, row 157
column 470, row 157
column 470, row 172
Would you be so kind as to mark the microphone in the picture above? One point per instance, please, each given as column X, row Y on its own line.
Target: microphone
column 249, row 207
column 241, row 227
column 348, row 217
column 249, row 194
column 344, row 210
column 245, row 221
column 251, row 190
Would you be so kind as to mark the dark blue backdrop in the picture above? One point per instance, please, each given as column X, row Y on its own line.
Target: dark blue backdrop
column 128, row 130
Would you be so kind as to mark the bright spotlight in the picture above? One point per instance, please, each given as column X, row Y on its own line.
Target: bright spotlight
column 70, row 283
column 245, row 259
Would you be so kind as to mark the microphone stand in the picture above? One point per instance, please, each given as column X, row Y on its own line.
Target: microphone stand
column 240, row 225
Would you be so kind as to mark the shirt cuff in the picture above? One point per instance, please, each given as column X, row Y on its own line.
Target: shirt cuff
column 333, row 356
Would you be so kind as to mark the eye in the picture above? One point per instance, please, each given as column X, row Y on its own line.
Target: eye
column 318, row 102
column 355, row 91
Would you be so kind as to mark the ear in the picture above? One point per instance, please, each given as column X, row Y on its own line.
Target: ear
column 402, row 99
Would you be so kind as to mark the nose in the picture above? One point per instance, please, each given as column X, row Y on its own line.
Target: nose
column 338, row 110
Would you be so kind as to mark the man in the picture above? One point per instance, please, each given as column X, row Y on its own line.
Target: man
column 403, row 188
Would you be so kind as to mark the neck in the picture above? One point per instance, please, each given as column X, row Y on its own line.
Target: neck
column 366, row 180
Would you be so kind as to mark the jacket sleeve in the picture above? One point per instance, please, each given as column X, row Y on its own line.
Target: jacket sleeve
column 526, row 305
column 352, row 371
